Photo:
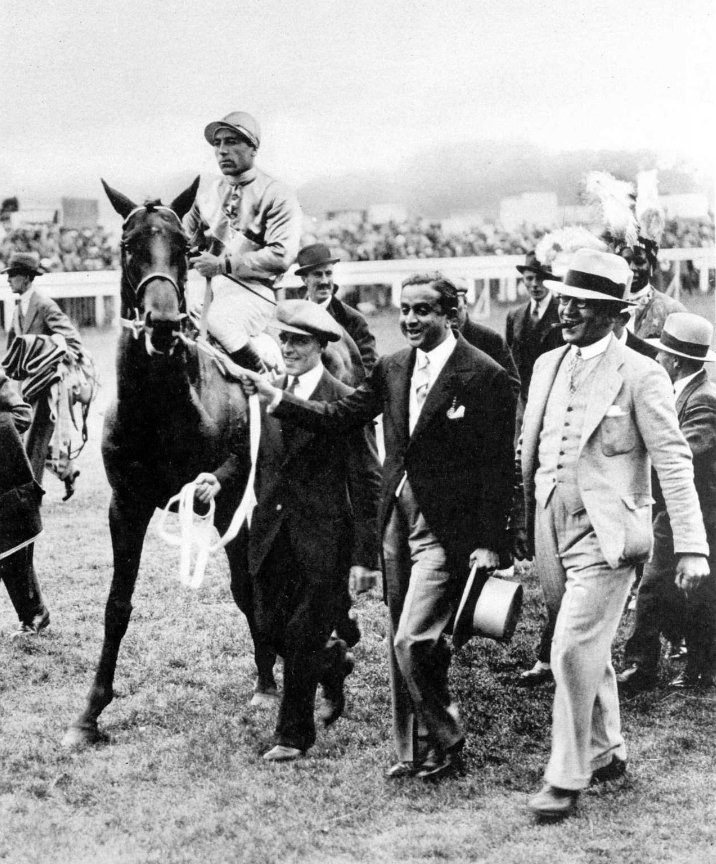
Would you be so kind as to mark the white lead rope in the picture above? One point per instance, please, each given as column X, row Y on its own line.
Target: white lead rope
column 196, row 531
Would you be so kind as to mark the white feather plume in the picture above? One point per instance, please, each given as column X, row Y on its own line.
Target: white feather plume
column 615, row 201
column 649, row 211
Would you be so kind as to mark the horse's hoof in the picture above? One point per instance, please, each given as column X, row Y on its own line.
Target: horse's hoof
column 78, row 737
column 265, row 697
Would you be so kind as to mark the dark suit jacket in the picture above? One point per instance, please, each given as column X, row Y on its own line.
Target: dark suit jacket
column 459, row 469
column 356, row 326
column 324, row 488
column 494, row 346
column 525, row 339
column 44, row 317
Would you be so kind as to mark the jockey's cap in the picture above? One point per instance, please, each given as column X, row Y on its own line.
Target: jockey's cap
column 238, row 121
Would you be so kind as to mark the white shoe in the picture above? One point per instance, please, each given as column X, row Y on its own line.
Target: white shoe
column 280, row 753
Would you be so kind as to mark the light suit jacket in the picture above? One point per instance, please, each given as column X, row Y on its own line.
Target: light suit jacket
column 630, row 421
column 44, row 317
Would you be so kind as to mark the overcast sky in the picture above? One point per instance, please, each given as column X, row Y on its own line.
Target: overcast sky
column 124, row 89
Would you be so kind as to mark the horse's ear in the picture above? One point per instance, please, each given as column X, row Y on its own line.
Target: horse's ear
column 121, row 203
column 182, row 203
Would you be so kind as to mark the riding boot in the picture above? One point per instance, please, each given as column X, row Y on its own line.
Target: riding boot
column 247, row 358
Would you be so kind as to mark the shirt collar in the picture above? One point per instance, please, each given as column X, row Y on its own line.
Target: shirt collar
column 309, row 380
column 439, row 355
column 680, row 385
column 244, row 179
column 25, row 299
column 593, row 350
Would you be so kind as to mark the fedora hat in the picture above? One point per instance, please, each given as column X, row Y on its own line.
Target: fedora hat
column 686, row 335
column 313, row 256
column 238, row 121
column 24, row 262
column 307, row 318
column 544, row 271
column 595, row 275
column 489, row 606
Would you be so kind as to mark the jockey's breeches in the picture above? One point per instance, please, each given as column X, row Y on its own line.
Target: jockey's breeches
column 236, row 314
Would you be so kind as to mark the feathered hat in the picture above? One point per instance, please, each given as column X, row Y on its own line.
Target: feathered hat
column 556, row 248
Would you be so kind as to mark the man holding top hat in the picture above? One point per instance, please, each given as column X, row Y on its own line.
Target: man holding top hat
column 661, row 604
column 597, row 417
column 315, row 267
column 448, row 420
column 314, row 527
column 246, row 228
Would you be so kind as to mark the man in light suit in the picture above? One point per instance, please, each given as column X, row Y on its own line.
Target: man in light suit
column 597, row 416
column 314, row 527
column 684, row 347
column 315, row 267
column 37, row 314
column 448, row 419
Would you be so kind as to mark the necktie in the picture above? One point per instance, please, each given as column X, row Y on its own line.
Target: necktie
column 576, row 365
column 291, row 383
column 535, row 310
column 422, row 379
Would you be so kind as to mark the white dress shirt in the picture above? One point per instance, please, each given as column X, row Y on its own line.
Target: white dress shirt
column 682, row 382
column 307, row 382
column 25, row 300
column 437, row 358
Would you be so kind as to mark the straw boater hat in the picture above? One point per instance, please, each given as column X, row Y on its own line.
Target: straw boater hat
column 686, row 335
column 308, row 319
column 595, row 275
column 238, row 121
column 312, row 256
column 490, row 606
column 24, row 262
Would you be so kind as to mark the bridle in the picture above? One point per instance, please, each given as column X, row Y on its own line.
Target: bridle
column 137, row 290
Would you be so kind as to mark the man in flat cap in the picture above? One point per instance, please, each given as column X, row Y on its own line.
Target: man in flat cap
column 598, row 416
column 247, row 228
column 448, row 419
column 314, row 527
column 315, row 267
column 661, row 605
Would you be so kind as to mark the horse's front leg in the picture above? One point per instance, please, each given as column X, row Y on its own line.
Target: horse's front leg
column 128, row 521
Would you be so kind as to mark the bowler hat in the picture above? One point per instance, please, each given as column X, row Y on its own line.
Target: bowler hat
column 309, row 319
column 24, row 262
column 313, row 256
column 238, row 121
column 595, row 275
column 544, row 271
column 490, row 606
column 686, row 335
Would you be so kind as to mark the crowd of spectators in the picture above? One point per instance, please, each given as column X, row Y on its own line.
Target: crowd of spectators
column 423, row 238
column 61, row 249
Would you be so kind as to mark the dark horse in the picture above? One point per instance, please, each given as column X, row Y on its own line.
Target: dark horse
column 174, row 417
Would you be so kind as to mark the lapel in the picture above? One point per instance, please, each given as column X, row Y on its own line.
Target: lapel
column 397, row 380
column 32, row 311
column 540, row 388
column 693, row 385
column 521, row 317
column 602, row 396
column 453, row 376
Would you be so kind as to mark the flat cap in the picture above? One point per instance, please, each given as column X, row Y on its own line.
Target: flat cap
column 307, row 318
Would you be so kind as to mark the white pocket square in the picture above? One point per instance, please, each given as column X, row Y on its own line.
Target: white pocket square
column 456, row 413
column 615, row 411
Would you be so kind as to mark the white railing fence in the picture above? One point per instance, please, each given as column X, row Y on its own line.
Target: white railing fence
column 99, row 290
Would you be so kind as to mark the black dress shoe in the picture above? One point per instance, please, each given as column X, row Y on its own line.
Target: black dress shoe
column 334, row 701
column 635, row 679
column 534, row 677
column 402, row 769
column 439, row 763
column 551, row 802
column 611, row 771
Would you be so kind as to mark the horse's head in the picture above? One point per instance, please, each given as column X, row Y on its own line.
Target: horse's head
column 154, row 265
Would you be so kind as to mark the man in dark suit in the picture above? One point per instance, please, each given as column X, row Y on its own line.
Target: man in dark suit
column 485, row 339
column 314, row 526
column 36, row 314
column 527, row 326
column 448, row 416
column 19, row 515
column 315, row 267
column 661, row 607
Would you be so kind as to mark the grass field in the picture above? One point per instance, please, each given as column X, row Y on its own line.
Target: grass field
column 181, row 779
